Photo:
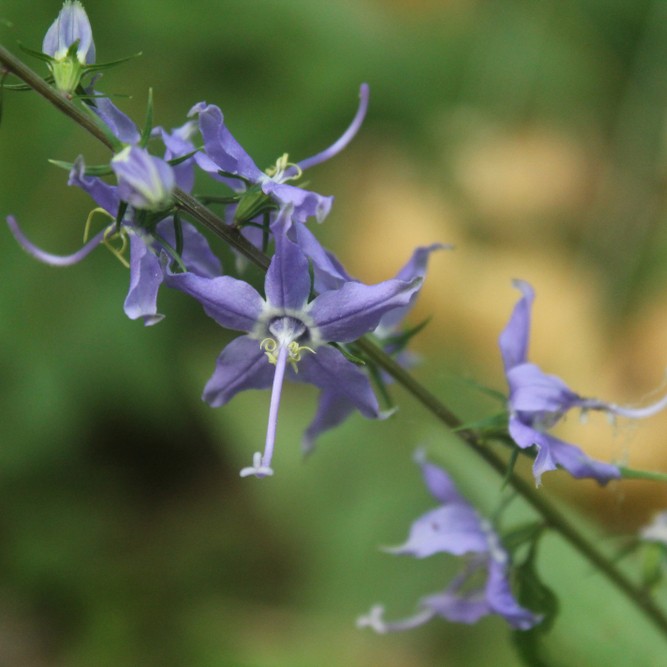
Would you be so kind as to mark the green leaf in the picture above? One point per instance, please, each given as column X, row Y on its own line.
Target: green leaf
column 148, row 124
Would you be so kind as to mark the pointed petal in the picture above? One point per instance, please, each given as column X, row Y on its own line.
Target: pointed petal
column 241, row 365
column 46, row 257
column 287, row 284
column 502, row 602
column 439, row 483
column 120, row 124
column 414, row 268
column 348, row 313
column 346, row 137
column 232, row 303
column 221, row 146
column 145, row 279
column 515, row 337
column 105, row 195
column 333, row 408
column 329, row 370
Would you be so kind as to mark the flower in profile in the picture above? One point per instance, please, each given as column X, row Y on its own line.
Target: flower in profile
column 262, row 191
column 69, row 44
column 145, row 182
column 482, row 587
column 145, row 246
column 288, row 333
column 537, row 401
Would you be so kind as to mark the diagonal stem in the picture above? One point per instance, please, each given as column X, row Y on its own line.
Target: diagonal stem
column 553, row 517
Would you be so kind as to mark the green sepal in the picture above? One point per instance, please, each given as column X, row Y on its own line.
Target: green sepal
column 177, row 160
column 398, row 342
column 653, row 563
column 148, row 123
column 95, row 170
column 112, row 63
column 535, row 595
column 36, row 54
column 357, row 361
column 252, row 203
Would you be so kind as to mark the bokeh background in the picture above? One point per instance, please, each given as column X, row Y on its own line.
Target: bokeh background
column 529, row 133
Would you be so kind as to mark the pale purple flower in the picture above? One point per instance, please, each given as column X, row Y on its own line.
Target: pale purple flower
column 145, row 182
column 656, row 530
column 146, row 247
column 287, row 333
column 455, row 528
column 333, row 406
column 71, row 30
column 537, row 401
column 272, row 187
column 71, row 25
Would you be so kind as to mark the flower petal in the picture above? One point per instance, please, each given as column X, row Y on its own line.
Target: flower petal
column 232, row 303
column 329, row 370
column 348, row 313
column 516, row 335
column 197, row 254
column 146, row 276
column 241, row 365
column 105, row 195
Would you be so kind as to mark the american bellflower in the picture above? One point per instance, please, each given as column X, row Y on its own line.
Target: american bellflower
column 146, row 245
column 69, row 43
column 537, row 401
column 227, row 161
column 455, row 528
column 287, row 332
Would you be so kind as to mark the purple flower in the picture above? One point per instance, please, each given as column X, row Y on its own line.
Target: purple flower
column 227, row 161
column 287, row 333
column 537, row 401
column 146, row 247
column 455, row 528
column 72, row 25
column 71, row 30
column 333, row 405
column 144, row 181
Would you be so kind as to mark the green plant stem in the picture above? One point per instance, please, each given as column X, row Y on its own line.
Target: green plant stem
column 552, row 516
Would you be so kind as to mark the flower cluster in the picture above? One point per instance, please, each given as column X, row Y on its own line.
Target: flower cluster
column 456, row 528
column 305, row 322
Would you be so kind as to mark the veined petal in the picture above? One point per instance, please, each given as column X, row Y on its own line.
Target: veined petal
column 232, row 303
column 72, row 24
column 221, row 146
column 346, row 137
column 515, row 337
column 48, row 258
column 329, row 370
column 146, row 276
column 241, row 365
column 287, row 284
column 348, row 313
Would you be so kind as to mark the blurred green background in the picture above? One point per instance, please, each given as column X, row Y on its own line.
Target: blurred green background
column 531, row 133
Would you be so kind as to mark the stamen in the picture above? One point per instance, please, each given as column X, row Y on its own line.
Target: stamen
column 89, row 219
column 279, row 171
column 375, row 621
